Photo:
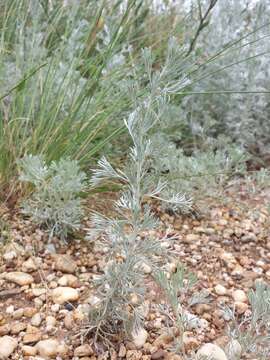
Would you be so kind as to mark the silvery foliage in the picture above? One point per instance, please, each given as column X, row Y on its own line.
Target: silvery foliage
column 238, row 33
column 176, row 290
column 201, row 175
column 253, row 330
column 127, row 236
column 258, row 180
column 55, row 201
column 203, row 138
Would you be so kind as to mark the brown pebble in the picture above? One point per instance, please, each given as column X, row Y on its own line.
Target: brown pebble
column 160, row 354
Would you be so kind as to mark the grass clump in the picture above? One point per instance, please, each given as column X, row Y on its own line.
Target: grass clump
column 58, row 65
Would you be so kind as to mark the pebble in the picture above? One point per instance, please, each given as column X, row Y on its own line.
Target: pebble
column 29, row 350
column 10, row 309
column 36, row 320
column 69, row 321
column 250, row 237
column 238, row 271
column 50, row 320
column 53, row 285
column 32, row 338
column 190, row 342
column 69, row 306
column 139, row 337
column 192, row 238
column 60, row 295
column 38, row 302
column 19, row 278
column 17, row 314
column 174, row 357
column 29, row 265
column 212, row 351
column 220, row 290
column 133, row 355
column 159, row 354
column 228, row 259
column 163, row 339
column 122, row 351
column 29, row 311
column 202, row 308
column 7, row 346
column 240, row 307
column 65, row 264
column 5, row 329
column 50, row 348
column 55, row 308
column 68, row 280
column 146, row 268
column 9, row 255
column 17, row 328
column 83, row 350
column 239, row 296
column 39, row 291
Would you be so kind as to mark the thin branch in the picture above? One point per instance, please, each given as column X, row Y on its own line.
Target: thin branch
column 202, row 24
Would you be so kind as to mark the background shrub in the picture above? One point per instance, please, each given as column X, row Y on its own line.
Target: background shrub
column 55, row 201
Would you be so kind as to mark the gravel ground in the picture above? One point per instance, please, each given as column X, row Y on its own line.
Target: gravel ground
column 46, row 289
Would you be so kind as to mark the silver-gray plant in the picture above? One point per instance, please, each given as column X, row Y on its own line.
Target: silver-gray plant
column 55, row 200
column 132, row 248
column 176, row 290
column 253, row 331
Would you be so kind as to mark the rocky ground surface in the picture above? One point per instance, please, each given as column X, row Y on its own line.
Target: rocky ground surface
column 46, row 289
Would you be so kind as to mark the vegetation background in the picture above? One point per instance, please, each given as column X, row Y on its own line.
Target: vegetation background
column 161, row 102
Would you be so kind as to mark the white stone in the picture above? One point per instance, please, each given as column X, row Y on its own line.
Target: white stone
column 60, row 295
column 239, row 296
column 93, row 300
column 19, row 278
column 9, row 255
column 55, row 308
column 139, row 337
column 211, row 351
column 36, row 320
column 220, row 290
column 38, row 302
column 68, row 280
column 50, row 348
column 39, row 291
column 50, row 320
column 7, row 346
column 10, row 309
column 17, row 314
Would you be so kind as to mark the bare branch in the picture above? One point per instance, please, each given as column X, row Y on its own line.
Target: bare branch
column 202, row 24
